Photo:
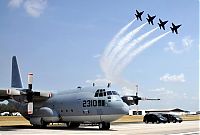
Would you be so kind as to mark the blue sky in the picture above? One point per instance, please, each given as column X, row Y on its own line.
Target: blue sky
column 62, row 43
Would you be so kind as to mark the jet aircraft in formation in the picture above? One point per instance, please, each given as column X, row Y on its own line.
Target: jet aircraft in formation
column 174, row 28
column 161, row 23
column 150, row 19
column 139, row 15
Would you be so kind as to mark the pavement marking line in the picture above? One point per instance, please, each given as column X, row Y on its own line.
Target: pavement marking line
column 187, row 133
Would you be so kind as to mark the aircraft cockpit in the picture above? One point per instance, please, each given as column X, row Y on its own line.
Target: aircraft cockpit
column 103, row 93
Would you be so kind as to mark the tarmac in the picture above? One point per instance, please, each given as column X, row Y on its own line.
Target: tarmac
column 184, row 128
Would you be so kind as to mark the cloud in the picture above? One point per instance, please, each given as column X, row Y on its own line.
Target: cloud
column 15, row 3
column 33, row 7
column 173, row 78
column 99, row 81
column 163, row 91
column 186, row 45
column 187, row 42
column 97, row 56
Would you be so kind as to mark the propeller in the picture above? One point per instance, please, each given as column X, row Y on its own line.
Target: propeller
column 30, row 93
column 134, row 100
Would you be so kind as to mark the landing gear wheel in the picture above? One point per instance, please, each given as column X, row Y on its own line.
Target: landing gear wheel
column 40, row 126
column 146, row 121
column 43, row 124
column 104, row 126
column 72, row 125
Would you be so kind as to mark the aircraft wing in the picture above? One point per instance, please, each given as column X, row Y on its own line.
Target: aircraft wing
column 41, row 96
column 10, row 93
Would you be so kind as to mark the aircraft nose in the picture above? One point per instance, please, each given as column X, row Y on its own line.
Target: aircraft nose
column 125, row 109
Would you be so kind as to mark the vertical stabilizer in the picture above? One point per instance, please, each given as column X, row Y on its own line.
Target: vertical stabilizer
column 16, row 79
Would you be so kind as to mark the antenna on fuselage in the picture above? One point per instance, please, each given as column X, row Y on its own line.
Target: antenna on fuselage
column 109, row 84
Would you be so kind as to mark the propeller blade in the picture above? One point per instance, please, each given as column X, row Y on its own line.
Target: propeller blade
column 30, row 108
column 30, row 81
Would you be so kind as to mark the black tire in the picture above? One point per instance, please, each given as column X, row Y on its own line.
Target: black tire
column 43, row 124
column 39, row 126
column 72, row 125
column 146, row 121
column 104, row 126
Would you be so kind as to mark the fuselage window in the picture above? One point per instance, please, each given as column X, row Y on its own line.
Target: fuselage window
column 66, row 110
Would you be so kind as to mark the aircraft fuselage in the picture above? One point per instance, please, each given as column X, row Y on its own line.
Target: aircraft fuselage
column 81, row 105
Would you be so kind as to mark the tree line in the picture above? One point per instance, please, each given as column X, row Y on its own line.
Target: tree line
column 7, row 108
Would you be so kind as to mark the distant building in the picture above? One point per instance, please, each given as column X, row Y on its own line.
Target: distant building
column 16, row 114
column 10, row 114
column 175, row 111
column 5, row 114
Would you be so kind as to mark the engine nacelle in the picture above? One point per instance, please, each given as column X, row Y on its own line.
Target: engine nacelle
column 45, row 94
column 13, row 92
column 9, row 92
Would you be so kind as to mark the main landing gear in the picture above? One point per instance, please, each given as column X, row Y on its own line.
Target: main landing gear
column 104, row 126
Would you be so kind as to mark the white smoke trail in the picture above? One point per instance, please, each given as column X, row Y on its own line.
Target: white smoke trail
column 116, row 37
column 104, row 62
column 138, row 51
column 131, row 45
column 124, row 41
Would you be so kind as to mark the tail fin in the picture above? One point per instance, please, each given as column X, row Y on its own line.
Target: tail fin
column 16, row 79
column 159, row 25
column 172, row 29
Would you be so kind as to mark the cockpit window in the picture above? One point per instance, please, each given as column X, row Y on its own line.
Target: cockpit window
column 96, row 94
column 103, row 93
column 112, row 93
column 109, row 93
column 115, row 93
column 100, row 93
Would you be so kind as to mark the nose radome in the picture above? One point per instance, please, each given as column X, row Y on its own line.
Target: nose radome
column 125, row 108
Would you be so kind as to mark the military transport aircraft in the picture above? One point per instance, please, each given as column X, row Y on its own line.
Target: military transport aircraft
column 162, row 24
column 150, row 19
column 94, row 105
column 139, row 15
column 174, row 28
